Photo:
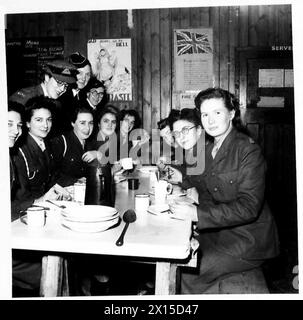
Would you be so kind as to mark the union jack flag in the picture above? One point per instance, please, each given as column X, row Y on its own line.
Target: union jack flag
column 192, row 42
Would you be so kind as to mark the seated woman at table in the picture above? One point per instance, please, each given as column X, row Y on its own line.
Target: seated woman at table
column 26, row 269
column 34, row 160
column 15, row 124
column 30, row 172
column 236, row 230
column 170, row 152
column 69, row 149
column 129, row 145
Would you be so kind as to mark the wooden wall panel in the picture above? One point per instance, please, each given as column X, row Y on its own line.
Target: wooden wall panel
column 215, row 24
column 165, row 63
column 155, row 68
column 152, row 42
column 146, row 69
column 224, row 46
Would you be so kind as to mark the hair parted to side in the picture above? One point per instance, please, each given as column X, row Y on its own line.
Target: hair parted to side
column 230, row 102
column 36, row 103
column 108, row 108
column 79, row 110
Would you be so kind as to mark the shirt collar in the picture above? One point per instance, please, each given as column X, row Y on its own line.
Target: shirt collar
column 44, row 89
column 39, row 142
column 75, row 92
column 90, row 104
column 218, row 143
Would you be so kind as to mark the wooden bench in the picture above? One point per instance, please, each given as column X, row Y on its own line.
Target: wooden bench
column 251, row 281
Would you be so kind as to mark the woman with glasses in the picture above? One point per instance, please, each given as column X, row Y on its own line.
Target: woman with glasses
column 235, row 228
column 94, row 98
column 55, row 78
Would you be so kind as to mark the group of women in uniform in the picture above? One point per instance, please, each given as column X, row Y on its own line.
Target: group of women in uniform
column 222, row 165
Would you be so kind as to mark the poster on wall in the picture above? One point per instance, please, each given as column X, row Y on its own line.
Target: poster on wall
column 193, row 52
column 111, row 63
column 193, row 59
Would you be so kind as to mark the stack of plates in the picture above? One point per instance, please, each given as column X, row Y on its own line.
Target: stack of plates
column 89, row 218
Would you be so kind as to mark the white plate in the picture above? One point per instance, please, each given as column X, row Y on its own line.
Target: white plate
column 90, row 227
column 89, row 213
column 87, row 219
column 162, row 211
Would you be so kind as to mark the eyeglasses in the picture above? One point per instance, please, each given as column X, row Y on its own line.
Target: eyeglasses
column 184, row 131
column 61, row 83
column 96, row 93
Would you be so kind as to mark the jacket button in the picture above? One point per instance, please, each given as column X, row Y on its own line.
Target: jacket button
column 231, row 182
column 215, row 189
column 212, row 173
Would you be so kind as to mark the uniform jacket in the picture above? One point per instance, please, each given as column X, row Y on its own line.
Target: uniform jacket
column 23, row 95
column 67, row 152
column 16, row 205
column 232, row 210
column 35, row 175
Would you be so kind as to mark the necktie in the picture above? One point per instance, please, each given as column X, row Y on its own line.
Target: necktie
column 214, row 150
column 42, row 145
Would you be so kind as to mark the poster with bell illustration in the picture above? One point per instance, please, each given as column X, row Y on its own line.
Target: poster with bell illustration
column 111, row 63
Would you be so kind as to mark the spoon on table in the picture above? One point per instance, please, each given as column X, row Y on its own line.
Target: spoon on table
column 59, row 206
column 128, row 217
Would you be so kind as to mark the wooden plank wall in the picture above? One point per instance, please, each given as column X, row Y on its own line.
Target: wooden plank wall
column 152, row 42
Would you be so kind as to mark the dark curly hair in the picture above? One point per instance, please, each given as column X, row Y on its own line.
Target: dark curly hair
column 132, row 113
column 36, row 103
column 191, row 115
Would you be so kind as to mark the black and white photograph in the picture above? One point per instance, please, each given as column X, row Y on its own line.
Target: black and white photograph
column 153, row 150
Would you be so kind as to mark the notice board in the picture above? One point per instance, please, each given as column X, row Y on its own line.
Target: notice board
column 26, row 56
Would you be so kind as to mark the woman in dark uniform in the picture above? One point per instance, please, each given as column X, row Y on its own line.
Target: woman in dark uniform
column 33, row 174
column 236, row 230
column 34, row 161
column 26, row 268
column 69, row 149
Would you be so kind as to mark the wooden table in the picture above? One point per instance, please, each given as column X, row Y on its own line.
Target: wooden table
column 163, row 241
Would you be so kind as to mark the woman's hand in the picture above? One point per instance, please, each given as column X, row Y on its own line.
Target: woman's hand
column 116, row 167
column 89, row 156
column 193, row 194
column 184, row 211
column 62, row 192
column 172, row 175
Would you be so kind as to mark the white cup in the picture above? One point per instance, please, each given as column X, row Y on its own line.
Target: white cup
column 127, row 163
column 141, row 206
column 162, row 189
column 35, row 217
column 79, row 191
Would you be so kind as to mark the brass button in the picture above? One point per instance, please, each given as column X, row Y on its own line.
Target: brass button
column 215, row 189
column 231, row 182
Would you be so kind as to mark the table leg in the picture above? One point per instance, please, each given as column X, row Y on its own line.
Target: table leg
column 166, row 273
column 52, row 275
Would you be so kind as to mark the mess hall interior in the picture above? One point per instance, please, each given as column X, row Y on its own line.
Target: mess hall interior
column 154, row 61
